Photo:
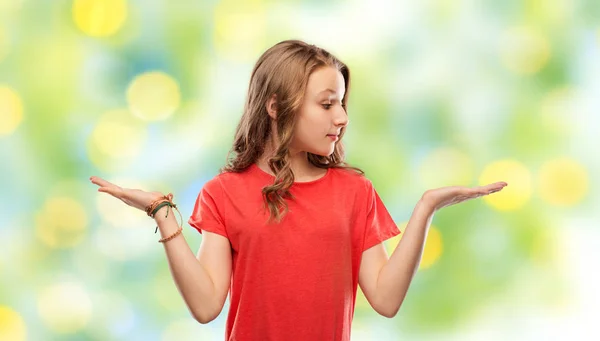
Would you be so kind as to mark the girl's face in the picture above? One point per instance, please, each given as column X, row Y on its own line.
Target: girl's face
column 321, row 116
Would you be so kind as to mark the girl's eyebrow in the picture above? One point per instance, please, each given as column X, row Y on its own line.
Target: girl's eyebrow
column 327, row 90
column 330, row 90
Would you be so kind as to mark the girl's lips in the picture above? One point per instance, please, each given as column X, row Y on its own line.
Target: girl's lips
column 333, row 137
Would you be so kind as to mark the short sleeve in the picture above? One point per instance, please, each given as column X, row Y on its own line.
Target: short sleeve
column 207, row 214
column 380, row 225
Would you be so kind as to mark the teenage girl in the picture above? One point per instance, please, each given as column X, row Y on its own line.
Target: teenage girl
column 289, row 229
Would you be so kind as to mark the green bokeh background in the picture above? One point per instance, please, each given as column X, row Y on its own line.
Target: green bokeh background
column 444, row 92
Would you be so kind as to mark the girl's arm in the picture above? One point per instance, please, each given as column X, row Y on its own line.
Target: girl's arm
column 396, row 274
column 202, row 281
column 387, row 280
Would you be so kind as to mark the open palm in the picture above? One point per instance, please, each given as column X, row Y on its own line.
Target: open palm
column 132, row 197
column 447, row 196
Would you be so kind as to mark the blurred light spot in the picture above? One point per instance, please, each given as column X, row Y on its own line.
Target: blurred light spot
column 114, row 316
column 198, row 128
column 3, row 44
column 10, row 7
column 165, row 293
column 125, row 244
column 525, row 51
column 99, row 18
column 446, row 167
column 11, row 110
column 563, row 182
column 240, row 29
column 546, row 250
column 61, row 223
column 363, row 330
column 443, row 10
column 117, row 213
column 433, row 248
column 361, row 303
column 433, row 245
column 555, row 108
column 490, row 244
column 65, row 307
column 392, row 243
column 12, row 326
column 116, row 140
column 153, row 96
column 555, row 13
column 117, row 135
column 518, row 191
column 47, row 84
column 188, row 329
column 90, row 264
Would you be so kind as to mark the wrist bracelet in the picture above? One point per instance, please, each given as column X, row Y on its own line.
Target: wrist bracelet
column 156, row 205
column 166, row 239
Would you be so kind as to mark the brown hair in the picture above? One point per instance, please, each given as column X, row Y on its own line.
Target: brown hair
column 283, row 70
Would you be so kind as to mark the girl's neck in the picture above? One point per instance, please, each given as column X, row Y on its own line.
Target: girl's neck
column 303, row 170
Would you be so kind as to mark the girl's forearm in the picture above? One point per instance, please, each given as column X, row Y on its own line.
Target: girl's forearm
column 192, row 280
column 396, row 275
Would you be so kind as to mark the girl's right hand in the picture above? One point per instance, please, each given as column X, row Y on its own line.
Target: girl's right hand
column 132, row 197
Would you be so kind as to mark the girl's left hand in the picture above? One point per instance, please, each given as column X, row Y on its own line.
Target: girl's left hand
column 447, row 196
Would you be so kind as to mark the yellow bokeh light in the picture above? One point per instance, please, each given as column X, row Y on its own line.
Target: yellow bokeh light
column 525, row 51
column 116, row 140
column 153, row 96
column 457, row 168
column 65, row 307
column 433, row 248
column 117, row 135
column 61, row 223
column 563, row 182
column 99, row 18
column 12, row 326
column 240, row 29
column 518, row 191
column 11, row 110
column 433, row 245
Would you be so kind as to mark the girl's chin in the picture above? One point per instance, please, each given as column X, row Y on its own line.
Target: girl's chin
column 323, row 152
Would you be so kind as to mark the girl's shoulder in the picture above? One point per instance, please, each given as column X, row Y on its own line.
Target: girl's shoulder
column 352, row 175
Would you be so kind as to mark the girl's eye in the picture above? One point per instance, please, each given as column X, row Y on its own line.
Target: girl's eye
column 328, row 105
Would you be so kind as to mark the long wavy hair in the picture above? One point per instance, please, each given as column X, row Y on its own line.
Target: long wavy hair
column 283, row 70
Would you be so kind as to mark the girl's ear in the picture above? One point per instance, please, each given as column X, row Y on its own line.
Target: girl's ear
column 272, row 106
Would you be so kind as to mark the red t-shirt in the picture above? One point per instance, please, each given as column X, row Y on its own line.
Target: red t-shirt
column 296, row 279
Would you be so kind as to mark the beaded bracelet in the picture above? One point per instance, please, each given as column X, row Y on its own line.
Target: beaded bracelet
column 166, row 239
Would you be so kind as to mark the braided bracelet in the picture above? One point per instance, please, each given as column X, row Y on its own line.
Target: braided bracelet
column 152, row 208
column 156, row 205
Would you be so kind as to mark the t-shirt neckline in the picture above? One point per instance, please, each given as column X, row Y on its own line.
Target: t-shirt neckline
column 270, row 177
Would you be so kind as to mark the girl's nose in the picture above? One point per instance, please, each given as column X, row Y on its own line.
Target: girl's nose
column 341, row 118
